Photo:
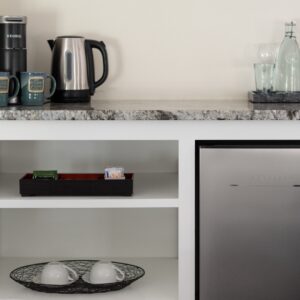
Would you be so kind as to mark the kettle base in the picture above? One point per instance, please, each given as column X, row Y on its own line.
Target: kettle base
column 67, row 96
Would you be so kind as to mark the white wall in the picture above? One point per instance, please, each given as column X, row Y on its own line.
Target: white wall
column 88, row 156
column 80, row 233
column 162, row 49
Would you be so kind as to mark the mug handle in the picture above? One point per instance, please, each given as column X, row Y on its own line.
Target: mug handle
column 53, row 86
column 120, row 274
column 16, row 86
column 73, row 274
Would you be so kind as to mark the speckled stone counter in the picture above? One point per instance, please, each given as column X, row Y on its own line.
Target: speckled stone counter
column 155, row 110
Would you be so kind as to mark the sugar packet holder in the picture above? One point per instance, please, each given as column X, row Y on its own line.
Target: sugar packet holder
column 114, row 173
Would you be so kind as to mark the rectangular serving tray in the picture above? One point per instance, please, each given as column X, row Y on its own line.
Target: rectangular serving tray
column 76, row 185
column 274, row 97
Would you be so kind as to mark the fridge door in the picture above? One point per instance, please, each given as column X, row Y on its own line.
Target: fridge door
column 249, row 224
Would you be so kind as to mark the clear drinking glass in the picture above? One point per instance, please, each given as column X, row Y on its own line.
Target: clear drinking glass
column 287, row 71
column 264, row 74
column 264, row 66
column 267, row 53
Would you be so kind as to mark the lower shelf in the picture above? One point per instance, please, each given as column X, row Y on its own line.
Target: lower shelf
column 160, row 282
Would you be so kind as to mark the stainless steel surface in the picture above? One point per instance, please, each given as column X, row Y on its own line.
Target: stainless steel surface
column 13, row 19
column 249, row 224
column 69, row 65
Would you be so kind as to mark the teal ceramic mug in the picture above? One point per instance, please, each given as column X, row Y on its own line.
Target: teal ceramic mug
column 5, row 78
column 33, row 87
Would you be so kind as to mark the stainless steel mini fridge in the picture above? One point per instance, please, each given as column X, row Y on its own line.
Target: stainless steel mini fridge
column 248, row 220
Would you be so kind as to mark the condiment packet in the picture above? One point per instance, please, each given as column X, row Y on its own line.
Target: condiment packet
column 114, row 173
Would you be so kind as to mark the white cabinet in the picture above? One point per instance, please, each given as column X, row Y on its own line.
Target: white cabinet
column 142, row 229
column 161, row 153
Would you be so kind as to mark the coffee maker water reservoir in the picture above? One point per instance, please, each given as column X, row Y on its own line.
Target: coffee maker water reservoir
column 13, row 53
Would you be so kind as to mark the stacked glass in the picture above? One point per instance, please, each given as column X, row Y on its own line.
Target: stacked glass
column 265, row 67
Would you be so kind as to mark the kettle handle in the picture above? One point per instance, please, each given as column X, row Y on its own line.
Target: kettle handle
column 90, row 45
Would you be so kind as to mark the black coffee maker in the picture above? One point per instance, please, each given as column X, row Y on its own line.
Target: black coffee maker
column 13, row 53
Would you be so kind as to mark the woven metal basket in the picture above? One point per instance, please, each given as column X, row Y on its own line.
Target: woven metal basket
column 25, row 276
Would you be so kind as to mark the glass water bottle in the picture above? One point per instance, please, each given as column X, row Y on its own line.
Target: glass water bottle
column 287, row 70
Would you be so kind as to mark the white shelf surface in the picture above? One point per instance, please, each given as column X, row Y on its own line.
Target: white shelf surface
column 160, row 282
column 149, row 190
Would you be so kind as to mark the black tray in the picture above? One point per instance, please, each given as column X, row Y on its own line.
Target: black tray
column 274, row 97
column 26, row 274
column 76, row 185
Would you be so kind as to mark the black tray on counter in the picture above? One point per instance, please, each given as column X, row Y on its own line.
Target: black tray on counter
column 76, row 185
column 274, row 97
column 25, row 276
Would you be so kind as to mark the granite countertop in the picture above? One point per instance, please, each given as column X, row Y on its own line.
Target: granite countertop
column 154, row 110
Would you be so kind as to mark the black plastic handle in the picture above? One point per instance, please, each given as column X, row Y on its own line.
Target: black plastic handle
column 90, row 45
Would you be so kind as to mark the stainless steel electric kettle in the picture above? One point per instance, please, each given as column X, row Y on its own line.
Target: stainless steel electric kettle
column 73, row 68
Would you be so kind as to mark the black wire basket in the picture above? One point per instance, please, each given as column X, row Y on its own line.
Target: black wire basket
column 25, row 276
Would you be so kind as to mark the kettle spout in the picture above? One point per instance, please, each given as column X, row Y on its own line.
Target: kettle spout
column 51, row 43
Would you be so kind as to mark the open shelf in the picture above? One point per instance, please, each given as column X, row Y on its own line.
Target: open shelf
column 137, row 227
column 160, row 282
column 150, row 190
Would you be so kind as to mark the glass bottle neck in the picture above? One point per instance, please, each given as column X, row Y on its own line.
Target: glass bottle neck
column 290, row 35
column 290, row 30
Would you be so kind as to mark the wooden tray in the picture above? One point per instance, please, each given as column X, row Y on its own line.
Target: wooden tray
column 76, row 185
